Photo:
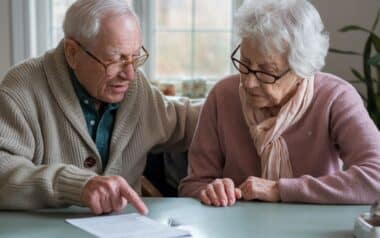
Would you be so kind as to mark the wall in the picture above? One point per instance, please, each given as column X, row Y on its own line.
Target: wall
column 5, row 55
column 339, row 13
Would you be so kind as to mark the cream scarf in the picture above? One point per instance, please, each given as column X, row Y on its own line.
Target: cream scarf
column 266, row 131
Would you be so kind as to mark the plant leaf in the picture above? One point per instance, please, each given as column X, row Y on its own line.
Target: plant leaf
column 375, row 60
column 376, row 41
column 376, row 118
column 378, row 78
column 345, row 52
column 354, row 28
column 356, row 82
column 358, row 75
column 376, row 20
column 378, row 101
column 371, row 95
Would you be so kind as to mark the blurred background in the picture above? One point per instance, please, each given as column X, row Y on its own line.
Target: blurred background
column 189, row 41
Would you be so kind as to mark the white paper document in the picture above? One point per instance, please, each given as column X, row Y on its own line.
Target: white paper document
column 127, row 226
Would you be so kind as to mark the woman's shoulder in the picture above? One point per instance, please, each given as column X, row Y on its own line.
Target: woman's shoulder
column 330, row 83
column 329, row 87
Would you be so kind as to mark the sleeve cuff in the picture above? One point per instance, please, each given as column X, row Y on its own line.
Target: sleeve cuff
column 290, row 189
column 70, row 183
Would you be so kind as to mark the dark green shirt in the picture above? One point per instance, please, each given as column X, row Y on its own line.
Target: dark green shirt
column 99, row 123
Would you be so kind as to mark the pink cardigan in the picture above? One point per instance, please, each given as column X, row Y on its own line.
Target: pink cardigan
column 336, row 126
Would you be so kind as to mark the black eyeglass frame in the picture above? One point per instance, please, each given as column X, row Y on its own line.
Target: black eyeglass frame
column 122, row 61
column 254, row 72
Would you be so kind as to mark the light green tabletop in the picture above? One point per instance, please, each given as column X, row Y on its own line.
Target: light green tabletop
column 244, row 219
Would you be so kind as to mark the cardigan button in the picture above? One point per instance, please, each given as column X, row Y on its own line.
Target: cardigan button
column 89, row 162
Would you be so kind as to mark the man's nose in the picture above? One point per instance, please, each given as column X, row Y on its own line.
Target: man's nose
column 128, row 71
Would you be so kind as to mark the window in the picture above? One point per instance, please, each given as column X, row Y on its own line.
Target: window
column 58, row 10
column 187, row 39
column 191, row 39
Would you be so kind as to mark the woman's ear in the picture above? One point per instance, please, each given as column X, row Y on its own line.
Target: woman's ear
column 71, row 52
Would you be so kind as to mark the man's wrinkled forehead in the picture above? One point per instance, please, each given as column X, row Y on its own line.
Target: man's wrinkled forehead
column 120, row 34
column 133, row 48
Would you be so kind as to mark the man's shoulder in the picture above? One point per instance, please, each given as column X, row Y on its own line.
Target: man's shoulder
column 23, row 74
column 24, row 81
column 144, row 86
column 141, row 95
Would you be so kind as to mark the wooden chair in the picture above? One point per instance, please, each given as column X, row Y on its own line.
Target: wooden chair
column 148, row 189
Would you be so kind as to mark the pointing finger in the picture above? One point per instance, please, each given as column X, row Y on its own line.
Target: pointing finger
column 132, row 197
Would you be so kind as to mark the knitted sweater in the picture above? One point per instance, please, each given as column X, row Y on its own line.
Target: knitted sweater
column 45, row 145
column 335, row 127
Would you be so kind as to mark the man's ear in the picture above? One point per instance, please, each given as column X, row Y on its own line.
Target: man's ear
column 71, row 52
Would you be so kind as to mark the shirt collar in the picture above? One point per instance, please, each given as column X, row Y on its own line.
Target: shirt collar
column 84, row 97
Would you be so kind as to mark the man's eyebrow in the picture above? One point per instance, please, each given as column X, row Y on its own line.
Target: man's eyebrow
column 112, row 51
column 115, row 51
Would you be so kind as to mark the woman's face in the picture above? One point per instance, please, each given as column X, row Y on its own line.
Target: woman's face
column 262, row 95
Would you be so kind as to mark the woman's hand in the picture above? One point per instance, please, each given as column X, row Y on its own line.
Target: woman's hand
column 220, row 192
column 261, row 189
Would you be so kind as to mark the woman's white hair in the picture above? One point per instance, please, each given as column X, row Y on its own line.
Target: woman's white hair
column 83, row 18
column 286, row 26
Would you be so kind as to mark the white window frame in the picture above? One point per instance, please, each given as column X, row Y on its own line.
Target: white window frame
column 30, row 27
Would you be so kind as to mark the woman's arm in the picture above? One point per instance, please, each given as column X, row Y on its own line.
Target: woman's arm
column 358, row 142
column 205, row 154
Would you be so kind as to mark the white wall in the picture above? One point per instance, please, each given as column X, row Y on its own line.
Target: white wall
column 5, row 55
column 339, row 13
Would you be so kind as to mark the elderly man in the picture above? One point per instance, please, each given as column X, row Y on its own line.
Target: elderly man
column 76, row 124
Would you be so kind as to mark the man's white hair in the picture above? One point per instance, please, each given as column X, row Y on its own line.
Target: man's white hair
column 286, row 26
column 83, row 18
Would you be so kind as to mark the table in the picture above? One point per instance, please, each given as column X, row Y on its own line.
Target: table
column 244, row 219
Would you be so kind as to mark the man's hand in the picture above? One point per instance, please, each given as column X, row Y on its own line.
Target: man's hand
column 220, row 192
column 105, row 194
column 259, row 188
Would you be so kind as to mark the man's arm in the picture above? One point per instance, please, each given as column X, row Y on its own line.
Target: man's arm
column 174, row 118
column 205, row 155
column 25, row 182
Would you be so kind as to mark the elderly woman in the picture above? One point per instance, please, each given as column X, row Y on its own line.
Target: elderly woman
column 279, row 130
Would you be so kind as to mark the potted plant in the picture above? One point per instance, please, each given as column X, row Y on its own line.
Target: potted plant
column 371, row 64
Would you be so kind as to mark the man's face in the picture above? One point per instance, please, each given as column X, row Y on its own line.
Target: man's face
column 119, row 39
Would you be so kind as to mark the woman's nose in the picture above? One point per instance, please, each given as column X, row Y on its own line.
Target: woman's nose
column 251, row 81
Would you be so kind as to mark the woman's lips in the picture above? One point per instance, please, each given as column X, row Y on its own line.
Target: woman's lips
column 254, row 94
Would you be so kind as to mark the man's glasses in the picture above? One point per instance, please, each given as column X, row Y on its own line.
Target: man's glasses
column 263, row 77
column 115, row 67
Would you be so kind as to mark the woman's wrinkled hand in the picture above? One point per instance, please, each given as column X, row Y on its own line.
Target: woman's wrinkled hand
column 261, row 189
column 220, row 192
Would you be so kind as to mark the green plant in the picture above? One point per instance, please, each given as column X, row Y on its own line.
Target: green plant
column 371, row 60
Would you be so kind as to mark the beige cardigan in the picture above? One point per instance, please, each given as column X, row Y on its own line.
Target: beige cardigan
column 44, row 141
